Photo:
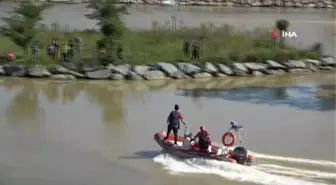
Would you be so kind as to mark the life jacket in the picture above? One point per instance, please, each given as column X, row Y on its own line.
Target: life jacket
column 203, row 140
column 174, row 119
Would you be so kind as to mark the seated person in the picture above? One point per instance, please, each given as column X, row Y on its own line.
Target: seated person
column 204, row 140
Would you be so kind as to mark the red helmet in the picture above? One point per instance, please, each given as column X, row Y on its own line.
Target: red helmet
column 202, row 127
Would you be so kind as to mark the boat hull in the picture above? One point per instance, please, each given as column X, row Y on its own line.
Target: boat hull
column 194, row 152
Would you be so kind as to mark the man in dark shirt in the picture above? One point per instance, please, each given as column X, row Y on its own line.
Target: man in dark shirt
column 72, row 48
column 57, row 46
column 173, row 121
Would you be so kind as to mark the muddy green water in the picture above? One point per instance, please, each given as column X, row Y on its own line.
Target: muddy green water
column 101, row 132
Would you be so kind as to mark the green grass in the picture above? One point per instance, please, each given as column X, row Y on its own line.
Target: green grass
column 160, row 44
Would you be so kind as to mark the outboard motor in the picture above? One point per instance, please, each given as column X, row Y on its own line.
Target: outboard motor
column 240, row 155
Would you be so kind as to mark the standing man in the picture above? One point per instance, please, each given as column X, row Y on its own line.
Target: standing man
column 79, row 45
column 174, row 123
column 186, row 48
column 65, row 52
column 35, row 52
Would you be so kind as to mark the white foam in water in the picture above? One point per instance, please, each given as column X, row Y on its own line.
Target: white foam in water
column 297, row 172
column 295, row 160
column 259, row 174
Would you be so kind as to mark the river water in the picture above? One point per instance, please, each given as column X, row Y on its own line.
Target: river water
column 101, row 133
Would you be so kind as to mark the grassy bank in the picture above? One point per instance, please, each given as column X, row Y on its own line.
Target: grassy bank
column 161, row 43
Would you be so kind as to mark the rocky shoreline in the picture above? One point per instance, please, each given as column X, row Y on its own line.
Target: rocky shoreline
column 162, row 70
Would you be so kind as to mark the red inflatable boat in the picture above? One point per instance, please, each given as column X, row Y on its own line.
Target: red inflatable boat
column 184, row 148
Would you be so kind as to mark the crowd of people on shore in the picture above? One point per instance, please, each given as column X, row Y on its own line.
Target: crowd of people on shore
column 66, row 50
column 54, row 50
column 191, row 49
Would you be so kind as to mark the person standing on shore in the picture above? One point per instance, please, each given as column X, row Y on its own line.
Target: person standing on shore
column 186, row 48
column 35, row 52
column 57, row 46
column 194, row 52
column 71, row 49
column 65, row 52
column 51, row 51
column 197, row 48
column 120, row 53
column 79, row 45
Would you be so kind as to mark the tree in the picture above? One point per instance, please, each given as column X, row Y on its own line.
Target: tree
column 22, row 27
column 282, row 25
column 111, row 25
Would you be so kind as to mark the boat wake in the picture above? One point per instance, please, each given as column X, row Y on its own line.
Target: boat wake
column 266, row 173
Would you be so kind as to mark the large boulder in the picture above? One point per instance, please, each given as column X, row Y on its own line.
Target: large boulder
column 154, row 75
column 188, row 68
column 121, row 69
column 312, row 67
column 83, row 68
column 257, row 73
column 57, row 69
column 295, row 64
column 133, row 76
column 15, row 70
column 329, row 61
column 2, row 71
column 125, row 68
column 256, row 67
column 102, row 74
column 274, row 65
column 237, row 72
column 299, row 70
column 239, row 69
column 117, row 76
column 277, row 72
column 179, row 75
column 221, row 75
column 224, row 69
column 210, row 68
column 202, row 75
column 70, row 66
column 170, row 70
column 63, row 77
column 141, row 70
column 326, row 68
column 38, row 71
column 313, row 62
